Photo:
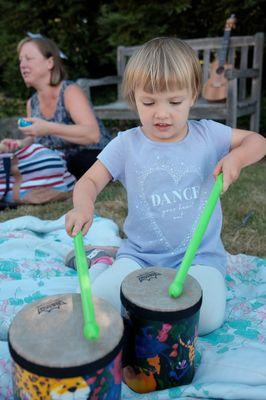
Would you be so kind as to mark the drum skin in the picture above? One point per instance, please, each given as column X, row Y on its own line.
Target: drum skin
column 51, row 360
column 160, row 332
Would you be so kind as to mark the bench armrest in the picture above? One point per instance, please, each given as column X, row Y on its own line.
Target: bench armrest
column 245, row 73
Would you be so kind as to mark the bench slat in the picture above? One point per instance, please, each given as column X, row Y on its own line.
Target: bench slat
column 241, row 49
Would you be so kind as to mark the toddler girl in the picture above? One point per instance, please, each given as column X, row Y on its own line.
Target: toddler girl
column 168, row 166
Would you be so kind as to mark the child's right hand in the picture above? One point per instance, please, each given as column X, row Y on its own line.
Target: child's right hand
column 77, row 220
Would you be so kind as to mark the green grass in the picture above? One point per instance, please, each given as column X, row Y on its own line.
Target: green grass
column 244, row 196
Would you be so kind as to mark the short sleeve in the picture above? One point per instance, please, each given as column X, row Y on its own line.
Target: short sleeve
column 220, row 135
column 113, row 157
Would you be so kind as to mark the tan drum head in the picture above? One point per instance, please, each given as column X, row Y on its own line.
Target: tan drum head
column 145, row 292
column 49, row 333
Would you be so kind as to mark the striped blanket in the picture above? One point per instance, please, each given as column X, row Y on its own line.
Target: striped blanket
column 38, row 174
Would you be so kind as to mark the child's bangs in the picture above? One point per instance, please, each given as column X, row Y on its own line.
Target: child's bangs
column 163, row 76
column 161, row 84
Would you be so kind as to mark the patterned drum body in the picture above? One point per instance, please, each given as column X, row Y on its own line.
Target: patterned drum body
column 160, row 332
column 51, row 360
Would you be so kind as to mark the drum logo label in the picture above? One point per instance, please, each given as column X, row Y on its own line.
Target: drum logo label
column 53, row 305
column 147, row 276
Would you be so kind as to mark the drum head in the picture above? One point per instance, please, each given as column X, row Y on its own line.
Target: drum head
column 49, row 333
column 145, row 292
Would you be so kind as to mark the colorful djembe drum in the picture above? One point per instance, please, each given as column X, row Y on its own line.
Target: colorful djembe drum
column 160, row 331
column 51, row 359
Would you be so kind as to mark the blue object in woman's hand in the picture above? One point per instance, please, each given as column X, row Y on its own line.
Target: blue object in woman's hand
column 22, row 123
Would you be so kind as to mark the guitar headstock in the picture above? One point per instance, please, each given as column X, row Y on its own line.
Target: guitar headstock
column 230, row 23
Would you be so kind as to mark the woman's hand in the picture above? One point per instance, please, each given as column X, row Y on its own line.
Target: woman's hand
column 231, row 166
column 39, row 127
column 77, row 220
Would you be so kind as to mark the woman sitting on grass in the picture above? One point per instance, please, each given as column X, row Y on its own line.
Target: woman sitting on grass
column 61, row 117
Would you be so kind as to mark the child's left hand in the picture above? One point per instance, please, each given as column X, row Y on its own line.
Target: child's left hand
column 231, row 166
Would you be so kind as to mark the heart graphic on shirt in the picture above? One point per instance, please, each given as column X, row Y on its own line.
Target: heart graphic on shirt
column 171, row 200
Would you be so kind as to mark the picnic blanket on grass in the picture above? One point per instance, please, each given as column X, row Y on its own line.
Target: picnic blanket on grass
column 230, row 362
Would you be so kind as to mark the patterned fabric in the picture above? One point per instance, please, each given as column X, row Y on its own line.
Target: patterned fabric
column 61, row 115
column 230, row 362
column 102, row 384
column 163, row 355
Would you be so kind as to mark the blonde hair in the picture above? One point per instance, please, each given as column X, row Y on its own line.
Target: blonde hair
column 162, row 64
column 48, row 49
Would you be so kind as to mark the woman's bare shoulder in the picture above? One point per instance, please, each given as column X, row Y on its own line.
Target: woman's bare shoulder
column 74, row 90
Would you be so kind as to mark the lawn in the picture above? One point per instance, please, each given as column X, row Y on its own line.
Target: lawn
column 244, row 209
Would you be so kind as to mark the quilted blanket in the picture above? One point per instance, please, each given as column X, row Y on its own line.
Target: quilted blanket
column 230, row 362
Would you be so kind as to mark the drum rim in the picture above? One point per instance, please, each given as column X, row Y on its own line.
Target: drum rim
column 166, row 316
column 65, row 372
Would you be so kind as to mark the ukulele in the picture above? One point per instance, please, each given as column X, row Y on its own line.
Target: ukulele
column 216, row 86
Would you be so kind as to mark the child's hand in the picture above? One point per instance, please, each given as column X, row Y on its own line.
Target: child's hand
column 11, row 144
column 77, row 220
column 231, row 166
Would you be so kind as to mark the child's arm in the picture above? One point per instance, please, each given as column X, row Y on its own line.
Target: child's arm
column 85, row 192
column 246, row 148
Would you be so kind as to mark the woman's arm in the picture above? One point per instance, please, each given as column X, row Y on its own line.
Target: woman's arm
column 85, row 192
column 247, row 148
column 84, row 131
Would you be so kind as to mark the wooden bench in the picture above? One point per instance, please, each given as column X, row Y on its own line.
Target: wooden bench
column 244, row 81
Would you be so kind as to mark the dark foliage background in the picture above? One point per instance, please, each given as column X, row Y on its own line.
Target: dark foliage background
column 89, row 31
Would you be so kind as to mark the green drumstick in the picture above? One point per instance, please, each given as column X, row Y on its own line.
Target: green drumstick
column 91, row 329
column 176, row 287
